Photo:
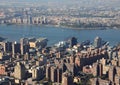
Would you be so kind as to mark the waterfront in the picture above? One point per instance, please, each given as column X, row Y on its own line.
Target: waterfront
column 56, row 34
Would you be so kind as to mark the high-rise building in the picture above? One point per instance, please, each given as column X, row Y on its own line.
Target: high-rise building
column 34, row 73
column 38, row 43
column 97, row 42
column 111, row 73
column 97, row 69
column 54, row 74
column 15, row 48
column 77, row 61
column 7, row 46
column 48, row 72
column 72, row 41
column 24, row 45
column 26, row 56
column 119, row 61
column 72, row 59
column 19, row 71
column 100, row 69
column 67, row 79
column 117, row 80
column 37, row 73
column 59, row 75
column 1, row 55
column 29, row 20
column 70, row 67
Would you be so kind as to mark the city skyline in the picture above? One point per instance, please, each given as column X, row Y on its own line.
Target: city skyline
column 59, row 42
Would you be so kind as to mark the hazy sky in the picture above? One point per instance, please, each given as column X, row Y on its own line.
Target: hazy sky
column 114, row 3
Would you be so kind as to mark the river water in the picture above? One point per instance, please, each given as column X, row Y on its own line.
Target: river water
column 56, row 34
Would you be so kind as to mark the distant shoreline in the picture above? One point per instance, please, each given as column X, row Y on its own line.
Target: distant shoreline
column 67, row 27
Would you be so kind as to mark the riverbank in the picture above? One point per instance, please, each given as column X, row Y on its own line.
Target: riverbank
column 67, row 27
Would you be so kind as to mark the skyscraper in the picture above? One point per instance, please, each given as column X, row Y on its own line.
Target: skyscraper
column 78, row 61
column 19, row 71
column 72, row 41
column 111, row 73
column 67, row 79
column 59, row 75
column 117, row 80
column 97, row 42
column 48, row 72
column 119, row 61
column 7, row 46
column 53, row 74
column 37, row 73
column 15, row 48
column 97, row 69
column 24, row 45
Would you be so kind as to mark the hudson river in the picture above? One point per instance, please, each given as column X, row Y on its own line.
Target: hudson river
column 56, row 34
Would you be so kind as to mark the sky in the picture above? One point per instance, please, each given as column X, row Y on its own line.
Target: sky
column 112, row 3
